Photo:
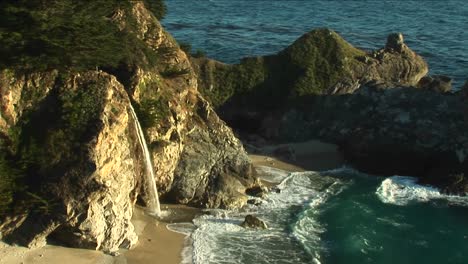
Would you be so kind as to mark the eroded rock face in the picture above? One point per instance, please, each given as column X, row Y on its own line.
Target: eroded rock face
column 399, row 131
column 197, row 158
column 214, row 169
column 437, row 83
column 81, row 142
column 86, row 161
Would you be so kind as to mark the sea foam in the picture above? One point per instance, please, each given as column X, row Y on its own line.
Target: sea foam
column 218, row 237
column 402, row 190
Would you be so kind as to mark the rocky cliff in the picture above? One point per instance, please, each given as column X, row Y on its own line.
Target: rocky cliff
column 379, row 107
column 71, row 165
column 398, row 131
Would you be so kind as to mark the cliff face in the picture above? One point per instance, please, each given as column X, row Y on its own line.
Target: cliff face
column 77, row 141
column 196, row 155
column 398, row 131
column 71, row 141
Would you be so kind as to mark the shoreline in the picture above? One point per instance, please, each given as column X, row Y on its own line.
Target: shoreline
column 311, row 155
column 157, row 243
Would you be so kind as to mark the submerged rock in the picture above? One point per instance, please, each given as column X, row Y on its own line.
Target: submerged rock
column 252, row 221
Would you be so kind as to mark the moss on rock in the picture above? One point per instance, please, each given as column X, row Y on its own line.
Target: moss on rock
column 311, row 65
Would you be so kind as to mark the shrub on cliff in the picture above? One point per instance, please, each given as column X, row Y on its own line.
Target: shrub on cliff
column 158, row 8
column 8, row 177
column 67, row 34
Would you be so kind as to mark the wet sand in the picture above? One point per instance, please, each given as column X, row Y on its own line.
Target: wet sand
column 310, row 155
column 156, row 244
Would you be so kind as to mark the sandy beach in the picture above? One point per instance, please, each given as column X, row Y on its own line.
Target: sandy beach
column 310, row 155
column 156, row 244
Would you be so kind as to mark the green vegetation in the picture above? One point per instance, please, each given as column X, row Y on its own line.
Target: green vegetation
column 174, row 72
column 9, row 177
column 157, row 7
column 321, row 57
column 67, row 34
column 187, row 48
column 47, row 142
column 310, row 66
column 152, row 111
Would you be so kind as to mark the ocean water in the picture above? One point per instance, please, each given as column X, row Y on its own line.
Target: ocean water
column 338, row 216
column 228, row 30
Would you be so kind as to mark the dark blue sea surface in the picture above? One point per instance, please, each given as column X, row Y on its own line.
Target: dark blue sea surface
column 228, row 30
column 340, row 216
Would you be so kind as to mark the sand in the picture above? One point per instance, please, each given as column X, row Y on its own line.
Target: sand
column 310, row 155
column 157, row 244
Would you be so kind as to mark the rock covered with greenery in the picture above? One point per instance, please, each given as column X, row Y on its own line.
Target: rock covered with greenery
column 71, row 166
column 320, row 62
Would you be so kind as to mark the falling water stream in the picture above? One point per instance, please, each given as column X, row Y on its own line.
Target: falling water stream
column 152, row 192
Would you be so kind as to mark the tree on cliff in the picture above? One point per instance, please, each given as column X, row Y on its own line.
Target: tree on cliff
column 158, row 7
column 69, row 34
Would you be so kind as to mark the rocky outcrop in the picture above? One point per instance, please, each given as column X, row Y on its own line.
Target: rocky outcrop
column 252, row 221
column 438, row 83
column 75, row 132
column 198, row 159
column 81, row 172
column 398, row 131
column 318, row 63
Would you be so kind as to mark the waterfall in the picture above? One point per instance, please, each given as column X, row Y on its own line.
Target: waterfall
column 153, row 203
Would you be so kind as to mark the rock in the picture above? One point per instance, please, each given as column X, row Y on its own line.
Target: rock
column 86, row 190
column 285, row 152
column 437, row 83
column 86, row 169
column 255, row 202
column 395, row 41
column 257, row 191
column 252, row 221
column 397, row 131
column 464, row 91
column 298, row 72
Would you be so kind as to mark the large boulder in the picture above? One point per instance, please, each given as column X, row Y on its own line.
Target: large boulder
column 252, row 221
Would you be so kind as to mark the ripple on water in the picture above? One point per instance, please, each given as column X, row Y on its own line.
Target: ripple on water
column 431, row 27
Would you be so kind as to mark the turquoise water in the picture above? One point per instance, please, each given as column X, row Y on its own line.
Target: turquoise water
column 339, row 216
column 363, row 229
column 231, row 29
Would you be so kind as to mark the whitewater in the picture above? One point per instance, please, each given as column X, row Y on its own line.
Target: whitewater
column 337, row 216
